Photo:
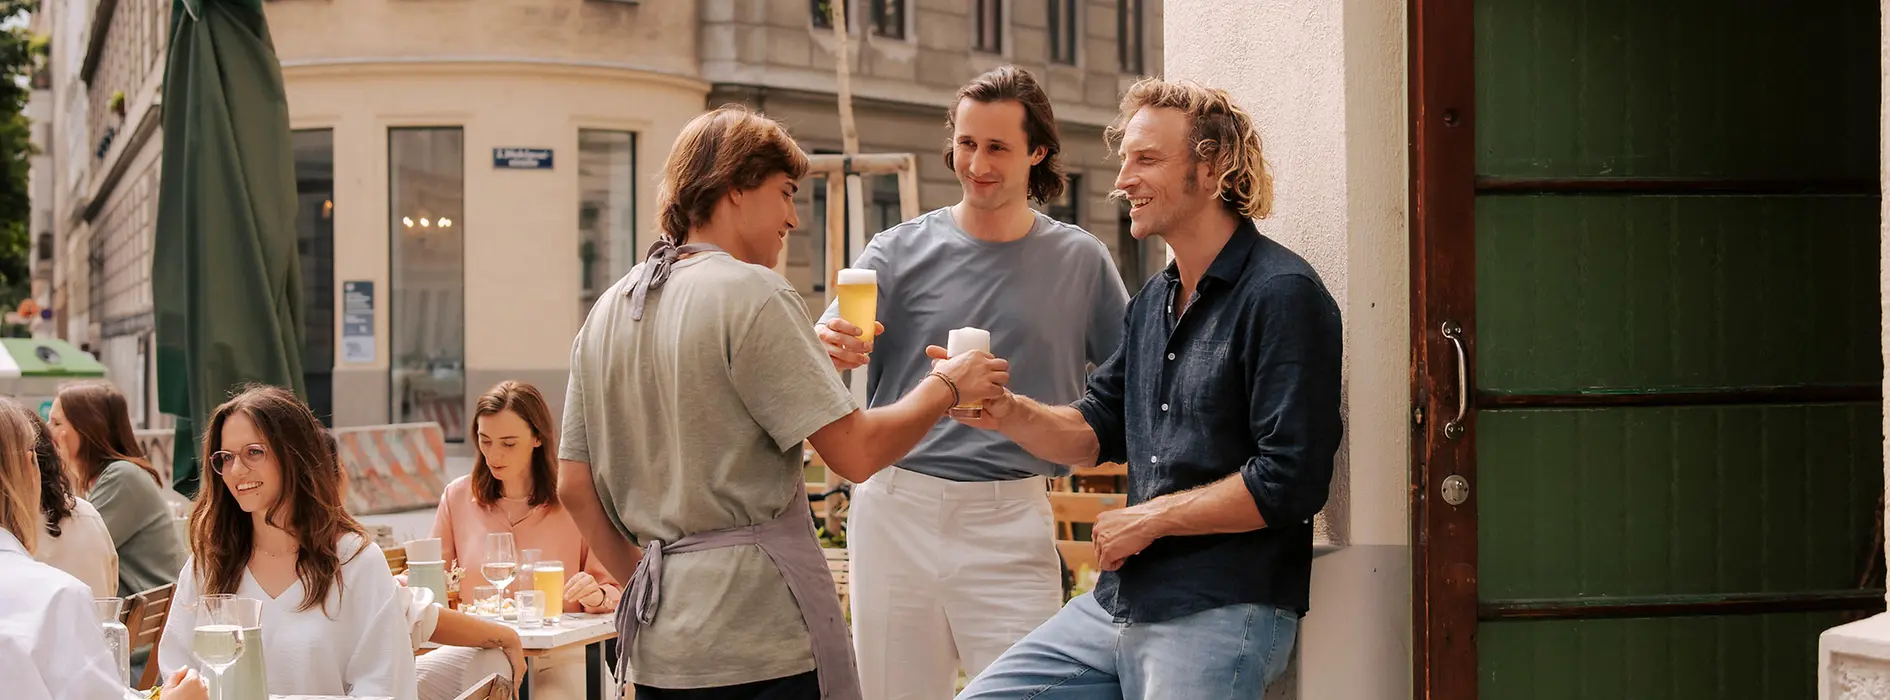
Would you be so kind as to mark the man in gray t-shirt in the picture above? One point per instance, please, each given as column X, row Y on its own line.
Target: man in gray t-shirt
column 953, row 550
column 694, row 382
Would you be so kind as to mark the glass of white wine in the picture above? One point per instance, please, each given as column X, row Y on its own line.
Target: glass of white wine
column 501, row 564
column 218, row 638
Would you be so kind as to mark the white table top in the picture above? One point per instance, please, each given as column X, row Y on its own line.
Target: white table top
column 573, row 629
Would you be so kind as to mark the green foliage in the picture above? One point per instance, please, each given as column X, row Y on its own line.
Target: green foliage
column 20, row 52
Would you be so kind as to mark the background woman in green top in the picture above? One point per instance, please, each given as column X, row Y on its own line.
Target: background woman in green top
column 91, row 429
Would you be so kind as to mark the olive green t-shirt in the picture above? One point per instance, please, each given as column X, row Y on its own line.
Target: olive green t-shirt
column 692, row 420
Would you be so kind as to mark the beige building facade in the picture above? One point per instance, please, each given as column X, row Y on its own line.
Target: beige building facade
column 467, row 189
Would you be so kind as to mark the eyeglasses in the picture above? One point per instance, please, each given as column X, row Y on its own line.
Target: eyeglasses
column 252, row 456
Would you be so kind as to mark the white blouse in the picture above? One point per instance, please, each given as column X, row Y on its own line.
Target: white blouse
column 49, row 637
column 84, row 549
column 361, row 648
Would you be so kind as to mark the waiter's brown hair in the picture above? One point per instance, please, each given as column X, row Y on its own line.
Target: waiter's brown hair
column 731, row 149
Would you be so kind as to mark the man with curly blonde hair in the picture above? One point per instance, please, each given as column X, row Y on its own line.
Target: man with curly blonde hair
column 1224, row 402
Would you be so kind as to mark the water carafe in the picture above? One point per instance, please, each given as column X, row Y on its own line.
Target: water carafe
column 117, row 637
column 246, row 679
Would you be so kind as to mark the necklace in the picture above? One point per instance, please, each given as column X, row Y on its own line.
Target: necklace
column 267, row 553
column 520, row 499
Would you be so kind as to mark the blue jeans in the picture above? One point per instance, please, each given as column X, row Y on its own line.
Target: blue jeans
column 1084, row 654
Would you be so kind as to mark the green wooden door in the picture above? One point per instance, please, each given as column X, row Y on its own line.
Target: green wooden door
column 1673, row 444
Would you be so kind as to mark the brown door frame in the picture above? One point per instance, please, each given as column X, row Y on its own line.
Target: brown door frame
column 1445, row 605
column 1443, row 290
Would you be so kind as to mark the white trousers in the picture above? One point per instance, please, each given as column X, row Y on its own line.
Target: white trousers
column 945, row 575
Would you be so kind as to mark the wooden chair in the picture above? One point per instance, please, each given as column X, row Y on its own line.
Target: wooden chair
column 1077, row 555
column 1081, row 508
column 145, row 620
column 1112, row 477
column 841, row 567
column 396, row 559
column 1071, row 509
column 492, row 687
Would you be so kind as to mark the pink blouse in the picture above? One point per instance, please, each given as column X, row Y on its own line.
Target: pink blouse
column 461, row 524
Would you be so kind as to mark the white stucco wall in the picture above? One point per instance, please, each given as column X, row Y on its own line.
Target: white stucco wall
column 1326, row 83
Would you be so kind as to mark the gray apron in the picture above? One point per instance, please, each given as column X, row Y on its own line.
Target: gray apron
column 790, row 541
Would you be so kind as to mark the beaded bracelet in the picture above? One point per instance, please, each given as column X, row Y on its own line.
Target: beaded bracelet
column 949, row 384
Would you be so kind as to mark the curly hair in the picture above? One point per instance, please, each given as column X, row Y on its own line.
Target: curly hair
column 1224, row 137
column 55, row 486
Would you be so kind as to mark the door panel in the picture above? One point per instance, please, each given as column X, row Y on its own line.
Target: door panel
column 1678, row 88
column 1580, row 293
column 1753, row 656
column 1668, row 501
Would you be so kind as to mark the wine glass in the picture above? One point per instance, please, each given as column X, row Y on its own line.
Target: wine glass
column 501, row 564
column 218, row 638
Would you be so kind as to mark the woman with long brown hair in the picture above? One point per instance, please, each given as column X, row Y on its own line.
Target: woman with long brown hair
column 46, row 621
column 76, row 539
column 91, row 432
column 513, row 488
column 269, row 525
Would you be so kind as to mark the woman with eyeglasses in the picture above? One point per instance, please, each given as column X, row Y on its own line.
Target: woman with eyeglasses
column 269, row 525
column 91, row 432
column 50, row 645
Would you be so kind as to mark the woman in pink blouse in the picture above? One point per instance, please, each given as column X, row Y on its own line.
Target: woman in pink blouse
column 514, row 488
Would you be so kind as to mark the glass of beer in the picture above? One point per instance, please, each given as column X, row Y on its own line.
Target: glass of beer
column 965, row 340
column 548, row 579
column 859, row 299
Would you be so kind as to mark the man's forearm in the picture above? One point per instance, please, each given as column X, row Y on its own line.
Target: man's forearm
column 1052, row 433
column 579, row 497
column 1221, row 507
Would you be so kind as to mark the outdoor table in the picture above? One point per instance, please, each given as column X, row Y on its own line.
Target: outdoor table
column 588, row 630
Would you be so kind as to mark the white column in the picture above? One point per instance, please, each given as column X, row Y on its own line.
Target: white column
column 1854, row 659
column 1326, row 83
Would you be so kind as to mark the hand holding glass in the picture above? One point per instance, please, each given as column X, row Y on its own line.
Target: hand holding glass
column 961, row 341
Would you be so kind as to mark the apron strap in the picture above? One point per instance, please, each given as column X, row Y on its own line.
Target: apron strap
column 790, row 542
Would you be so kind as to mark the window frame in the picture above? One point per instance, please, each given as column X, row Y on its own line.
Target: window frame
column 1131, row 36
column 987, row 15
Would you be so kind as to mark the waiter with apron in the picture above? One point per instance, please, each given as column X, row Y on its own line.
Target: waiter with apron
column 694, row 382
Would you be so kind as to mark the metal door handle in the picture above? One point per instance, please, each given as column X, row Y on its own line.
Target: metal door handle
column 1454, row 429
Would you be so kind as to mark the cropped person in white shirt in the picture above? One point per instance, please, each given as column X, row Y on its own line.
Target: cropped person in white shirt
column 77, row 540
column 269, row 524
column 49, row 637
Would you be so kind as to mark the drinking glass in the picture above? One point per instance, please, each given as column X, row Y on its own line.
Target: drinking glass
column 531, row 607
column 485, row 601
column 859, row 298
column 526, row 558
column 117, row 637
column 217, row 641
column 548, row 579
column 501, row 564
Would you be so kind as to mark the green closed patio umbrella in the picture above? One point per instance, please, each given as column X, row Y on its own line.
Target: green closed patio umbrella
column 225, row 279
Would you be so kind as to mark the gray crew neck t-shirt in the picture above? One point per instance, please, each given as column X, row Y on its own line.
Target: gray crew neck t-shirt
column 692, row 421
column 1052, row 301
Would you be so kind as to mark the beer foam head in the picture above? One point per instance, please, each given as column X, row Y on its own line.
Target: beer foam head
column 853, row 276
column 967, row 339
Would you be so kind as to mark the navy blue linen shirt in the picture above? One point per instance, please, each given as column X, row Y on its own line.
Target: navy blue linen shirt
column 1245, row 382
